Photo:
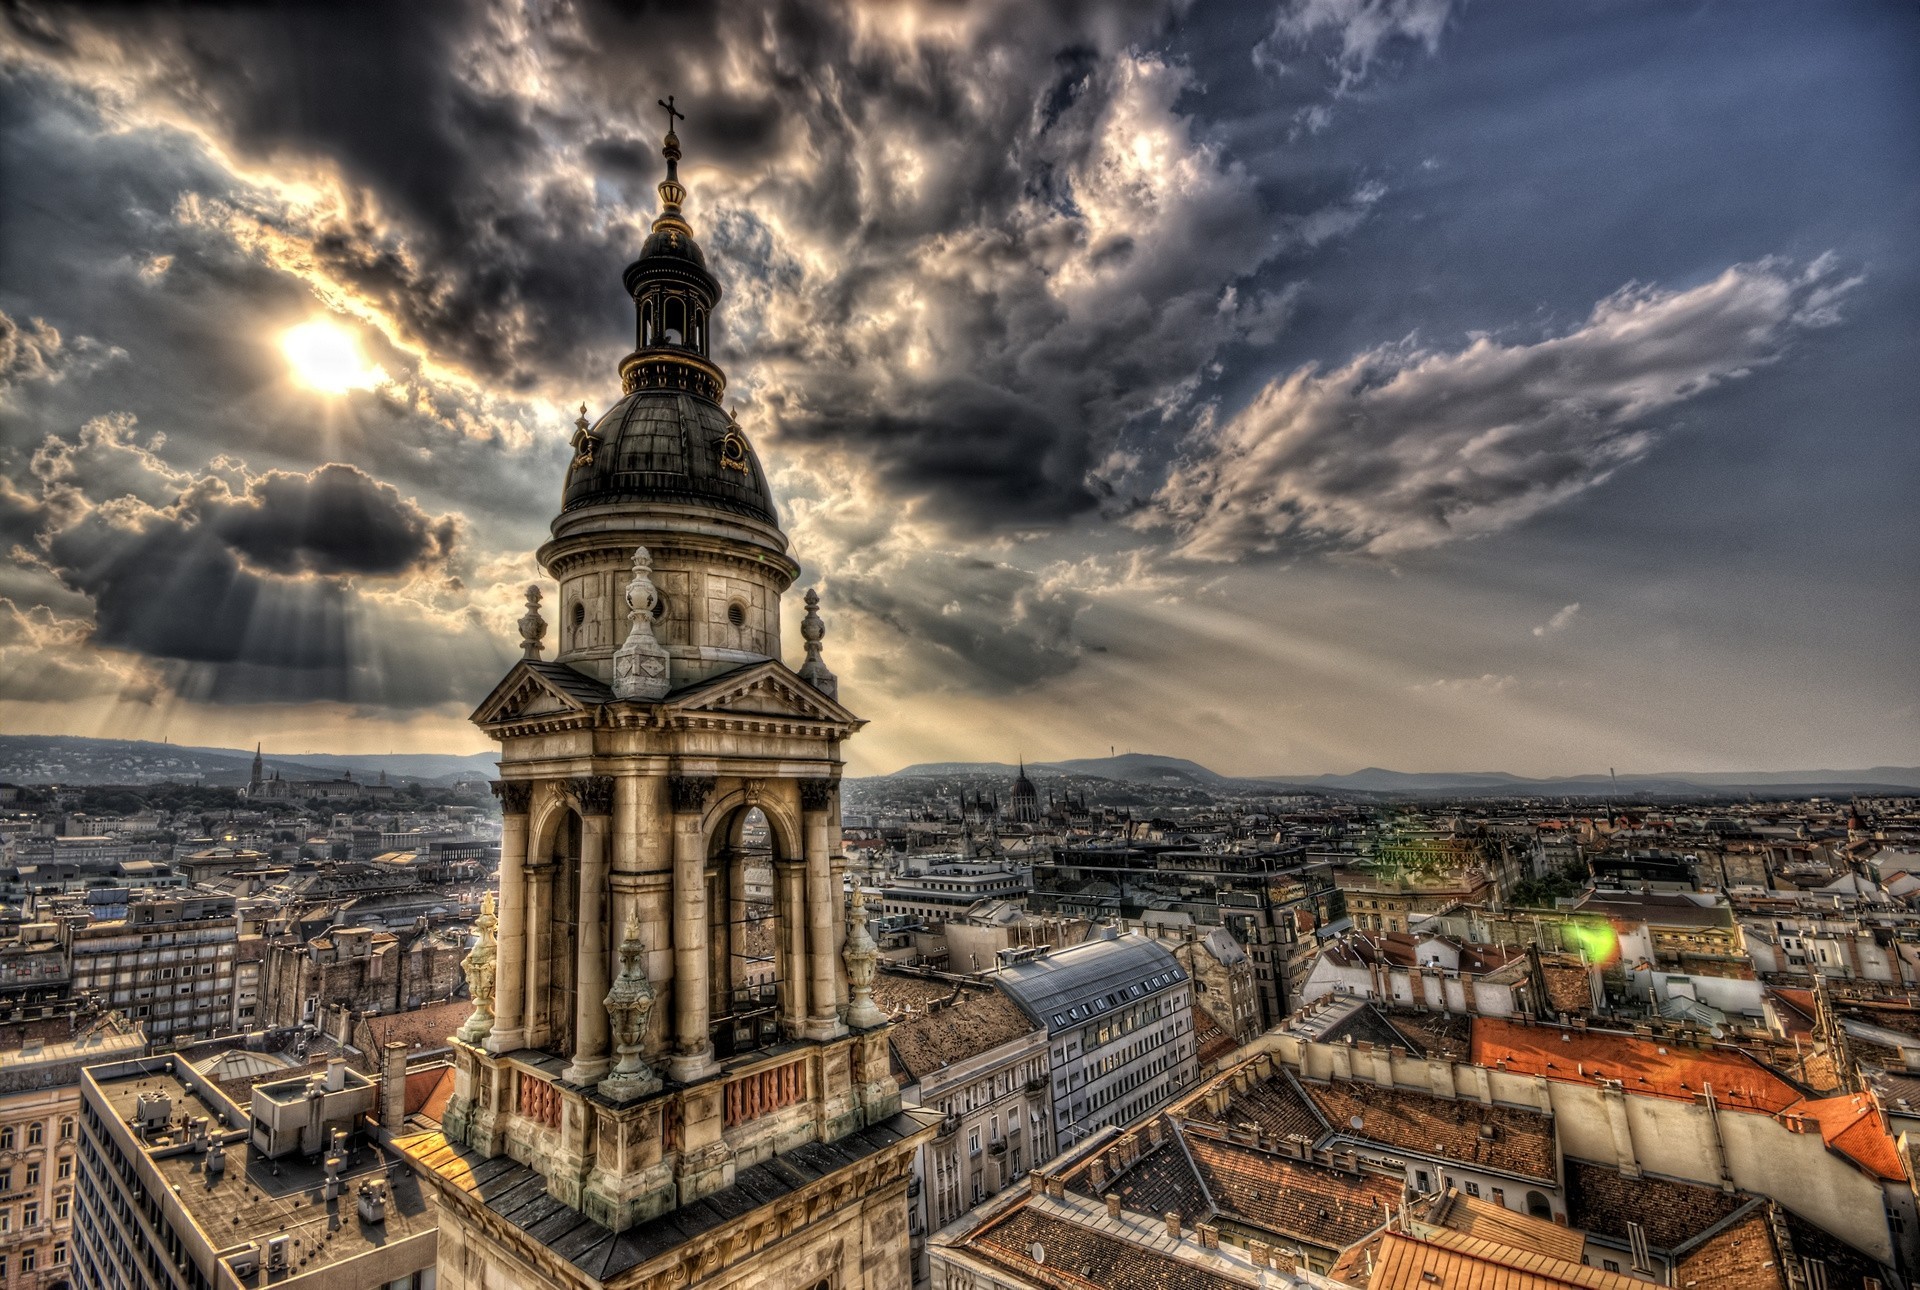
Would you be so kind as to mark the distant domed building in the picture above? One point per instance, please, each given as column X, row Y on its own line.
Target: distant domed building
column 654, row 1086
column 1024, row 808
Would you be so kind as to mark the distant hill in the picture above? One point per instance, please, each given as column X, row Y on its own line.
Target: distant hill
column 71, row 759
column 1149, row 769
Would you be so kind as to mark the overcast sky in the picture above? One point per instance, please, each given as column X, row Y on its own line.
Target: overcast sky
column 1294, row 387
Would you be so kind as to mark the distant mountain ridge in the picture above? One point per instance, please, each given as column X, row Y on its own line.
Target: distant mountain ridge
column 1149, row 769
column 75, row 759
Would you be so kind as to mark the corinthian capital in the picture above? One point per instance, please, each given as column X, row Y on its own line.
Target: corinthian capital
column 593, row 794
column 690, row 792
column 515, row 795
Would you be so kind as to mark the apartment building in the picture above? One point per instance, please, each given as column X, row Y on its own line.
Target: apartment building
column 1118, row 1011
column 168, row 965
column 39, row 1115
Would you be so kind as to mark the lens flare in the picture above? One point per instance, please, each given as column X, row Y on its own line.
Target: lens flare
column 326, row 357
column 1596, row 941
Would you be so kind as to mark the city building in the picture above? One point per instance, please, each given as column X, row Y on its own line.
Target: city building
column 665, row 1101
column 1118, row 1011
column 39, row 1139
column 167, row 965
column 1270, row 899
column 967, row 1052
column 180, row 1188
column 360, row 969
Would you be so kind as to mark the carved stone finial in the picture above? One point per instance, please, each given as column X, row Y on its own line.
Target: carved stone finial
column 479, row 967
column 862, row 957
column 641, row 667
column 533, row 628
column 813, row 630
column 629, row 1008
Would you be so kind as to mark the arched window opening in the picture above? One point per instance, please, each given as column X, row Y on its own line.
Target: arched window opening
column 746, row 909
column 673, row 321
column 1538, row 1206
column 700, row 330
column 555, row 894
column 646, row 323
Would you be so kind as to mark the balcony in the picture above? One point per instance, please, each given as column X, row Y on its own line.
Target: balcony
column 997, row 1148
column 949, row 1125
column 1036, row 1084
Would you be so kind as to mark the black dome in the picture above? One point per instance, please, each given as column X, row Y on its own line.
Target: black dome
column 661, row 445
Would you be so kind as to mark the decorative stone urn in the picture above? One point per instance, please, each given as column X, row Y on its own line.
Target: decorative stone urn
column 479, row 967
column 629, row 1007
column 862, row 957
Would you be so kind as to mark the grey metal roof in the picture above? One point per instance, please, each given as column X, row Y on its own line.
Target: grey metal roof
column 577, row 685
column 659, row 445
column 1074, row 986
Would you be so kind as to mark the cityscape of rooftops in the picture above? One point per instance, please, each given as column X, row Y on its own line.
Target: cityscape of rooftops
column 944, row 646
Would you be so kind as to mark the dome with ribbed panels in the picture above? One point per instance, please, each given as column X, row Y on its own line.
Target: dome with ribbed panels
column 665, row 446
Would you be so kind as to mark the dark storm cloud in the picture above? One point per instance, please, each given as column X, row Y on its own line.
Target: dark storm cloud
column 991, row 627
column 244, row 589
column 475, row 235
column 334, row 520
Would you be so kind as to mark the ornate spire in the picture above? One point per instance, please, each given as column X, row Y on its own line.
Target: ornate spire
column 813, row 630
column 629, row 1008
column 533, row 628
column 672, row 192
column 479, row 967
column 862, row 957
column 640, row 667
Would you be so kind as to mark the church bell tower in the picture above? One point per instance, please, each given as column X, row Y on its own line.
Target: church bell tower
column 674, row 1074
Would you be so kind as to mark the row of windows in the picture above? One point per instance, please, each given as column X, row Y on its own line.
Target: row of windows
column 64, row 1171
column 36, row 1133
column 30, row 1260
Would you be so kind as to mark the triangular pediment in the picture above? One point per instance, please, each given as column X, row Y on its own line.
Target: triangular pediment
column 532, row 689
column 770, row 689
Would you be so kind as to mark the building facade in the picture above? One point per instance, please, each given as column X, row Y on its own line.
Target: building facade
column 168, row 965
column 39, row 1142
column 172, row 1195
column 692, row 1085
column 1270, row 900
column 1119, row 1017
column 968, row 1053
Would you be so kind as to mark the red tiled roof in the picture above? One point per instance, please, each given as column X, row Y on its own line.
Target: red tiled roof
column 1647, row 1067
column 1449, row 1260
column 1079, row 1257
column 1852, row 1126
column 1521, row 1141
column 1331, row 1208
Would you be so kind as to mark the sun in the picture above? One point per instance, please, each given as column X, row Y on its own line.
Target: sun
column 326, row 357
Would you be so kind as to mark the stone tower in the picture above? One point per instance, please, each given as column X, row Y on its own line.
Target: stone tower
column 668, row 1079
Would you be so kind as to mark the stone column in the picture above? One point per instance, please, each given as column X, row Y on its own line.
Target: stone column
column 693, row 1042
column 510, row 972
column 594, row 795
column 790, row 899
column 823, row 992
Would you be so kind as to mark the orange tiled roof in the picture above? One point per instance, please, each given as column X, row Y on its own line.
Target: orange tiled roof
column 1079, row 1257
column 1851, row 1125
column 1308, row 1202
column 1521, row 1141
column 1456, row 1262
column 1648, row 1067
column 1742, row 1255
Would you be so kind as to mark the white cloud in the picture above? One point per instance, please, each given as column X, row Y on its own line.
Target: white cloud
column 1559, row 621
column 1403, row 448
column 1360, row 29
